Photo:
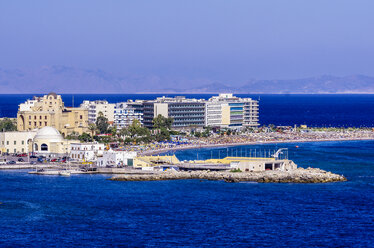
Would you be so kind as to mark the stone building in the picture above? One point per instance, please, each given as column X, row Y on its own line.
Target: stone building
column 50, row 110
column 16, row 142
column 49, row 141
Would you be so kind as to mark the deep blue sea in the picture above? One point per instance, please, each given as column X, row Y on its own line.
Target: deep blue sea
column 90, row 211
column 313, row 110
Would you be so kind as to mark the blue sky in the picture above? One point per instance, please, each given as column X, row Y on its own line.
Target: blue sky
column 214, row 39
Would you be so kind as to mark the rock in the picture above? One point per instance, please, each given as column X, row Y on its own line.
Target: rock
column 300, row 175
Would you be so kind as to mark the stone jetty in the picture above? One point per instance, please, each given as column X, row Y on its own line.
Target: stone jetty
column 300, row 175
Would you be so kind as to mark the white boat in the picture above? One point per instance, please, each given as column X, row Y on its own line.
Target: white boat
column 64, row 173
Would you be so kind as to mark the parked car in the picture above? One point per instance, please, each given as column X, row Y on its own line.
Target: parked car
column 21, row 160
column 33, row 162
column 33, row 156
column 11, row 162
column 54, row 160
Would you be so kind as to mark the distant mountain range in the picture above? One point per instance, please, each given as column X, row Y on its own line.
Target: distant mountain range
column 62, row 79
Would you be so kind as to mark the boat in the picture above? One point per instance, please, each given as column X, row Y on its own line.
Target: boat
column 64, row 173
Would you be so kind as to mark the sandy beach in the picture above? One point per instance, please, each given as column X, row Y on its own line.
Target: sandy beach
column 186, row 147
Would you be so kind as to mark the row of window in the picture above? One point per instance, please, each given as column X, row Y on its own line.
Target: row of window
column 40, row 123
column 15, row 150
column 14, row 142
column 40, row 117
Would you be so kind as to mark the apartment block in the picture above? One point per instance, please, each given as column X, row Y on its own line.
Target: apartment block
column 99, row 106
column 228, row 111
column 126, row 112
column 186, row 113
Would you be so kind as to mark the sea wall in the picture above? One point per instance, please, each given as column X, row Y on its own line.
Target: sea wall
column 300, row 175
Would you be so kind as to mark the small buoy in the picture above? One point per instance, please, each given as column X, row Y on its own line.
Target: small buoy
column 297, row 146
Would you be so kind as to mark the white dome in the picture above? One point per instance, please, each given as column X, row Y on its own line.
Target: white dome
column 49, row 133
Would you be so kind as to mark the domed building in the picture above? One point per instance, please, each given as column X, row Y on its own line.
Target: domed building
column 48, row 140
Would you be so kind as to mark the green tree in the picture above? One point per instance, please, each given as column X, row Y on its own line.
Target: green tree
column 113, row 131
column 7, row 125
column 162, row 122
column 85, row 137
column 102, row 123
column 92, row 127
column 163, row 134
column 197, row 134
column 73, row 136
column 137, row 130
column 123, row 132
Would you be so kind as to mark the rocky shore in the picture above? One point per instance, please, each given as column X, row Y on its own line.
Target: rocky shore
column 300, row 175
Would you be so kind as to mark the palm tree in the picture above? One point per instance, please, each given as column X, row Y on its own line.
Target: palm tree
column 92, row 127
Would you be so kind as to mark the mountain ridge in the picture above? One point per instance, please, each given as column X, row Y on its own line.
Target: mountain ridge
column 64, row 79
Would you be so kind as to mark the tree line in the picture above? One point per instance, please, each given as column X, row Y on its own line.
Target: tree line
column 133, row 134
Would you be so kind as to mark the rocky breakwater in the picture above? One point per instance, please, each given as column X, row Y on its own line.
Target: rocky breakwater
column 300, row 175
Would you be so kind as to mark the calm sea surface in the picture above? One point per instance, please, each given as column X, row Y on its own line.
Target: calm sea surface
column 90, row 211
column 313, row 110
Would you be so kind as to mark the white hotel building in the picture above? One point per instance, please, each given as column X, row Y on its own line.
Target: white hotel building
column 228, row 111
column 95, row 107
column 86, row 151
column 126, row 112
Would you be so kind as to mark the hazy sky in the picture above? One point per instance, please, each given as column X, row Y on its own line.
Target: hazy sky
column 215, row 39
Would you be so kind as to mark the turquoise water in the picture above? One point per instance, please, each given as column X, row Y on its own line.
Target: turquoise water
column 90, row 211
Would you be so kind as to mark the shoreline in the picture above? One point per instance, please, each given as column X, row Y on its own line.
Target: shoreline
column 157, row 152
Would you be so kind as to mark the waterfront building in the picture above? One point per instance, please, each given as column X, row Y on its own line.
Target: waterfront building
column 251, row 113
column 126, row 112
column 150, row 162
column 186, row 113
column 117, row 158
column 228, row 111
column 50, row 110
column 261, row 164
column 16, row 142
column 48, row 141
column 86, row 151
column 95, row 107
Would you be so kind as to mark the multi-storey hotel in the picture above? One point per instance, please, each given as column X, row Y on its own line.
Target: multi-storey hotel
column 228, row 111
column 126, row 112
column 99, row 106
column 186, row 113
column 222, row 111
